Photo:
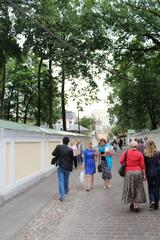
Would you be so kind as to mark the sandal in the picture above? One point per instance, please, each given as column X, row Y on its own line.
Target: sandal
column 87, row 190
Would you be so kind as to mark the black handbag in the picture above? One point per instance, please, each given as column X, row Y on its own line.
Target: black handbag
column 53, row 161
column 122, row 169
column 99, row 167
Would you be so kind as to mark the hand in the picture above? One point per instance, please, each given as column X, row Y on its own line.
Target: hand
column 82, row 166
column 144, row 178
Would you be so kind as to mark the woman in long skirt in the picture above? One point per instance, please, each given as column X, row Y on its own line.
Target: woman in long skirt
column 133, row 190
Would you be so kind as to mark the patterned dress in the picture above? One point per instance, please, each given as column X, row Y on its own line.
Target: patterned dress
column 106, row 165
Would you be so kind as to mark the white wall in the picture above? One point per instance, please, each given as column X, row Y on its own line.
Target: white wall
column 152, row 135
column 25, row 158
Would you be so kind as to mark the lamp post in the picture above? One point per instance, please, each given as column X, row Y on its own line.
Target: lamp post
column 79, row 108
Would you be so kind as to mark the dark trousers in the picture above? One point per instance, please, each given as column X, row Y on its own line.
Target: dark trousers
column 75, row 161
column 79, row 159
column 153, row 189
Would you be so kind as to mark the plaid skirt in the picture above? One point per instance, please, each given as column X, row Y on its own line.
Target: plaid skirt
column 106, row 172
column 133, row 189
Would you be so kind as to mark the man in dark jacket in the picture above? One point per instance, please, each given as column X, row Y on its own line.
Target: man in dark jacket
column 64, row 161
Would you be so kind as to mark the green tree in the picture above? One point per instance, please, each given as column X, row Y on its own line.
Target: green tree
column 8, row 48
column 134, row 36
column 87, row 122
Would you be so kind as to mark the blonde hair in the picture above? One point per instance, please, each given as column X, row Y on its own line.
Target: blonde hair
column 151, row 149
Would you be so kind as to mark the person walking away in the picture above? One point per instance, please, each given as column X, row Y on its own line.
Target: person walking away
column 75, row 153
column 152, row 158
column 120, row 143
column 145, row 141
column 79, row 152
column 89, row 165
column 133, row 189
column 115, row 145
column 108, row 155
column 140, row 146
column 64, row 156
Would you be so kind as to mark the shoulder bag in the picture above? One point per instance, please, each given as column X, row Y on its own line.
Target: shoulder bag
column 122, row 169
column 99, row 167
column 54, row 160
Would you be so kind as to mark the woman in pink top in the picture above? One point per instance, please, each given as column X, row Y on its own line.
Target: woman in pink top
column 133, row 190
column 75, row 153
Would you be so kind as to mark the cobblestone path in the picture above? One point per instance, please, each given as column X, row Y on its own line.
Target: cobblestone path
column 94, row 215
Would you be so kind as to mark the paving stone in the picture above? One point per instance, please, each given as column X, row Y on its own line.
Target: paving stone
column 94, row 215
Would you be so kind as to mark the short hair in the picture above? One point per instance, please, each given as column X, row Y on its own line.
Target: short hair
column 102, row 140
column 133, row 144
column 65, row 140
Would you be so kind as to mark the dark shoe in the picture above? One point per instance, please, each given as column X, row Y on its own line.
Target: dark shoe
column 156, row 206
column 136, row 210
column 131, row 207
column 87, row 190
column 61, row 200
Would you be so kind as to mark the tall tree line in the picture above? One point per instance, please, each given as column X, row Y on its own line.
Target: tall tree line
column 135, row 48
column 33, row 75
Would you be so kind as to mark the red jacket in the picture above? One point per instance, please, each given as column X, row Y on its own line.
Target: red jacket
column 134, row 160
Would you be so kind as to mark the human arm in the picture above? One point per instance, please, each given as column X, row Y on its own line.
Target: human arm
column 85, row 156
column 122, row 157
column 55, row 151
column 95, row 155
column 142, row 165
column 72, row 156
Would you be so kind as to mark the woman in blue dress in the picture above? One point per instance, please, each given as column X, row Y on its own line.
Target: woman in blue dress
column 89, row 166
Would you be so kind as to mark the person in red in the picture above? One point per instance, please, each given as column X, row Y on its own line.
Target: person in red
column 133, row 190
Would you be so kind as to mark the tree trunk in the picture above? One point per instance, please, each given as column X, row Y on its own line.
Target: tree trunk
column 3, row 87
column 152, row 115
column 25, row 117
column 8, row 110
column 9, row 104
column 39, row 93
column 50, row 96
column 17, row 107
column 26, row 111
column 63, row 100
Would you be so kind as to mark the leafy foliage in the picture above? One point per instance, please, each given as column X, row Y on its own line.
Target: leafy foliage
column 135, row 37
column 87, row 122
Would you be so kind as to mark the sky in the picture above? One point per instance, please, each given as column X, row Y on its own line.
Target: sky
column 102, row 94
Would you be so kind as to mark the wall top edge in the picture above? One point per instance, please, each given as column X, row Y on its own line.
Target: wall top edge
column 19, row 127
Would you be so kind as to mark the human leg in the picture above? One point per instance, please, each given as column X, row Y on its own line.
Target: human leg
column 66, row 181
column 151, row 190
column 156, row 192
column 60, row 172
column 75, row 162
column 92, row 181
column 88, row 181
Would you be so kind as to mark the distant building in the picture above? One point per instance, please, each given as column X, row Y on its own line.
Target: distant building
column 71, row 119
column 101, row 123
column 71, row 123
